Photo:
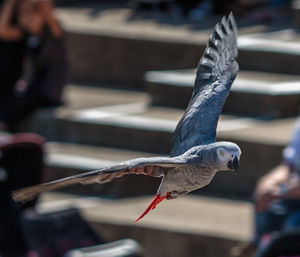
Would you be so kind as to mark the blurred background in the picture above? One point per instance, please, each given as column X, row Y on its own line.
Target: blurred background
column 90, row 83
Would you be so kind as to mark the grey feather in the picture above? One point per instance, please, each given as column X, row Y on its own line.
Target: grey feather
column 153, row 166
column 216, row 72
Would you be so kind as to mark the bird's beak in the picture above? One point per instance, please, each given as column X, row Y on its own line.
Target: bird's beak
column 234, row 164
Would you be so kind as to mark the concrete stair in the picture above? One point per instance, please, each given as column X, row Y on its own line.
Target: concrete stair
column 131, row 124
column 256, row 94
column 265, row 149
column 79, row 97
column 110, row 47
column 108, row 43
column 136, row 126
column 183, row 227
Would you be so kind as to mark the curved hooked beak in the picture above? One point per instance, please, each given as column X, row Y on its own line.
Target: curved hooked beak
column 234, row 164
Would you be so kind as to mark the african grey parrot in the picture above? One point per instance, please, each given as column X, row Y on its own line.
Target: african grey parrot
column 195, row 155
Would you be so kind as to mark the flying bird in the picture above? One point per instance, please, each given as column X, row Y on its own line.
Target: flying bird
column 195, row 155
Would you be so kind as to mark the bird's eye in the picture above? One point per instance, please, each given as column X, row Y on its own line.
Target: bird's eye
column 221, row 153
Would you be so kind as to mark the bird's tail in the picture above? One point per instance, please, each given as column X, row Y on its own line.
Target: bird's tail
column 156, row 200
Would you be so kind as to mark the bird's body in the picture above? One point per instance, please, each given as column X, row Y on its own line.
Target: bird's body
column 197, row 173
column 195, row 156
column 181, row 181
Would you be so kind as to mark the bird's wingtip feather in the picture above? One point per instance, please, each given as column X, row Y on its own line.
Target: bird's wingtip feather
column 26, row 194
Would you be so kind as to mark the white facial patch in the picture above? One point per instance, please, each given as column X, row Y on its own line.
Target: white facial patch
column 222, row 154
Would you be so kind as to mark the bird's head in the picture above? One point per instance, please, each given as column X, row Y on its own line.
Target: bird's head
column 217, row 156
column 227, row 156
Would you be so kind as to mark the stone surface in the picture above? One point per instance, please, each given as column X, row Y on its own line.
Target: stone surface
column 187, row 226
column 261, row 145
column 255, row 94
column 133, row 126
column 46, row 122
column 296, row 13
column 108, row 43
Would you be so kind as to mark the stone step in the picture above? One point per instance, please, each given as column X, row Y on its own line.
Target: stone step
column 117, row 46
column 253, row 93
column 80, row 97
column 261, row 142
column 189, row 226
column 275, row 52
column 130, row 124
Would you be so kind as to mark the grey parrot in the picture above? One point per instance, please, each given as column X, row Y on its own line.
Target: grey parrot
column 195, row 155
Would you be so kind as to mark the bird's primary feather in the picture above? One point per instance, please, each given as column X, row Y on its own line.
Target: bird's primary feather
column 215, row 74
column 153, row 166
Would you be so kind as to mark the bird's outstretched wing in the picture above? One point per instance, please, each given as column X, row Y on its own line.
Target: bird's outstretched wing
column 153, row 166
column 216, row 72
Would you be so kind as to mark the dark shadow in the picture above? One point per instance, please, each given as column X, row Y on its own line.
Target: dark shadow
column 167, row 16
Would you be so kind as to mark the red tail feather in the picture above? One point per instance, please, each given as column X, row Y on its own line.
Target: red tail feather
column 156, row 200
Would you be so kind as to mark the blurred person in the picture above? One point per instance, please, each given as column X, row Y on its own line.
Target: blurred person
column 21, row 163
column 270, row 11
column 31, row 23
column 277, row 199
column 201, row 9
column 33, row 73
column 194, row 9
column 224, row 6
column 277, row 194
